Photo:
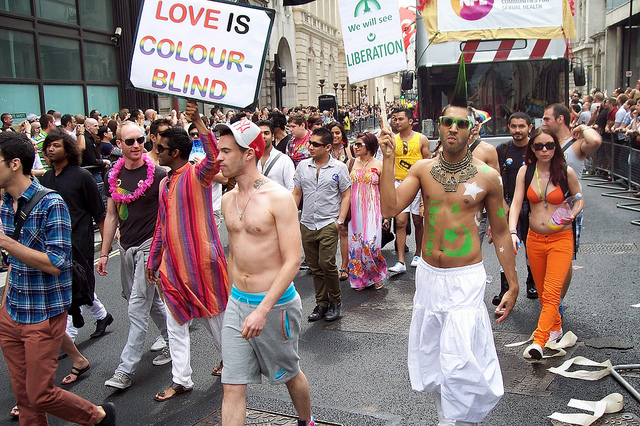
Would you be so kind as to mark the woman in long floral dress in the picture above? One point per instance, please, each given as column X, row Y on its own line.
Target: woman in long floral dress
column 367, row 266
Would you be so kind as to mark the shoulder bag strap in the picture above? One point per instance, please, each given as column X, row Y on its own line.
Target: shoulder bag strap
column 276, row 157
column 23, row 213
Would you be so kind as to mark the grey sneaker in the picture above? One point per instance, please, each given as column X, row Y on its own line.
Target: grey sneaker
column 119, row 381
column 159, row 344
column 163, row 358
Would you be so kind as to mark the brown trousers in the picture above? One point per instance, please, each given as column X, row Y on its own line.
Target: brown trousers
column 31, row 352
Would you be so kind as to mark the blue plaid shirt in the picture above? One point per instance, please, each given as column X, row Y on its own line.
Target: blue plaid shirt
column 34, row 295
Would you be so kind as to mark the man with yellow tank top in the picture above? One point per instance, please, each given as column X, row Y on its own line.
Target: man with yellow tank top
column 411, row 147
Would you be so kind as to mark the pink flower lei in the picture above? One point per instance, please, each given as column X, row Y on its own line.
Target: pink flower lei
column 114, row 182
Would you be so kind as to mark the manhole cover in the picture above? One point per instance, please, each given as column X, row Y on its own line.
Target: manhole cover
column 608, row 342
column 623, row 248
column 256, row 417
column 387, row 311
column 618, row 419
column 522, row 377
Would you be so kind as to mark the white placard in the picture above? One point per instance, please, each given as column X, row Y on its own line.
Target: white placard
column 469, row 15
column 372, row 38
column 201, row 49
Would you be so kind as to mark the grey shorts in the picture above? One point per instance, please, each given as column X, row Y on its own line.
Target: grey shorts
column 274, row 353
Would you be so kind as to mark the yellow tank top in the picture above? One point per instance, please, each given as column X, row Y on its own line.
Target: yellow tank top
column 404, row 161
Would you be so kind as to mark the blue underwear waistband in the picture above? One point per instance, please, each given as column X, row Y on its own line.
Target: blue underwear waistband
column 256, row 298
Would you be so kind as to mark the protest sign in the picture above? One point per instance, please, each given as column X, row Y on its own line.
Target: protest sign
column 205, row 50
column 372, row 37
column 462, row 20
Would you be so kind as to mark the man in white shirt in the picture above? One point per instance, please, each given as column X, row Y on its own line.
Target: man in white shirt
column 275, row 165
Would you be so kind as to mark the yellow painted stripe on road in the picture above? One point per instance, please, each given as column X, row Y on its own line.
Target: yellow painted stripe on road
column 113, row 254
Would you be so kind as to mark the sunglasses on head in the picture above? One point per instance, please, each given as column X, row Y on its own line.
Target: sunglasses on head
column 540, row 146
column 461, row 123
column 316, row 144
column 131, row 141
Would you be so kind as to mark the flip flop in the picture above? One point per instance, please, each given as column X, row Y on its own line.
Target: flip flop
column 74, row 372
column 343, row 275
column 218, row 370
column 14, row 413
column 379, row 285
column 178, row 390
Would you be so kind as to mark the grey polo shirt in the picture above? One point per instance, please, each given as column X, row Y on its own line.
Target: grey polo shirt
column 321, row 197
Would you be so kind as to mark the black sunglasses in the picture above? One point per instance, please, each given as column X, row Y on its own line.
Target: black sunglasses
column 194, row 134
column 161, row 148
column 461, row 123
column 540, row 146
column 358, row 144
column 316, row 144
column 131, row 141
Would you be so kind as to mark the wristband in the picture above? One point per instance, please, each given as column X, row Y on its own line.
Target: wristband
column 513, row 231
column 104, row 255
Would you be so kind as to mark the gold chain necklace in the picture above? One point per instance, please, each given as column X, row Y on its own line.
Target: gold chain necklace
column 465, row 167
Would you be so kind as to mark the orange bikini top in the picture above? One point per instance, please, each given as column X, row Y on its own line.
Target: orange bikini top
column 554, row 197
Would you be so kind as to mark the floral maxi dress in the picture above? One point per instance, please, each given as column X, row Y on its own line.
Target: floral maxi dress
column 367, row 266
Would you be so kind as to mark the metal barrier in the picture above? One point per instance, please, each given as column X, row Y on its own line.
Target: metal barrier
column 362, row 124
column 617, row 167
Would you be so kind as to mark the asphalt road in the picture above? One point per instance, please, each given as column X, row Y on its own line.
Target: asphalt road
column 356, row 366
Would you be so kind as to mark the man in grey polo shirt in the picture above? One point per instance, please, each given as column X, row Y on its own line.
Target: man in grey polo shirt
column 324, row 184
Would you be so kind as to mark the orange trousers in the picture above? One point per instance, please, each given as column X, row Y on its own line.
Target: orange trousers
column 550, row 258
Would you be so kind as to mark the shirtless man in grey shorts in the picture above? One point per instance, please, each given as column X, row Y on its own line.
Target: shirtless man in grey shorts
column 262, row 320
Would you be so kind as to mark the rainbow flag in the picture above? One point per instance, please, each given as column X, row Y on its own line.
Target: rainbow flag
column 484, row 115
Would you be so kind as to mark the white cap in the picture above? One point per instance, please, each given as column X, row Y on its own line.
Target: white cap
column 246, row 134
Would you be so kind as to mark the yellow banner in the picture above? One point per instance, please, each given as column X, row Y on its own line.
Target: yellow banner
column 485, row 20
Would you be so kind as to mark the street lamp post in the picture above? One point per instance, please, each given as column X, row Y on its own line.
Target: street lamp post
column 335, row 89
column 342, row 86
column 353, row 92
column 321, row 84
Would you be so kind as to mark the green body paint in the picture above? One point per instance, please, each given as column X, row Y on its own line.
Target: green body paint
column 455, row 208
column 432, row 216
column 500, row 212
column 466, row 246
column 485, row 169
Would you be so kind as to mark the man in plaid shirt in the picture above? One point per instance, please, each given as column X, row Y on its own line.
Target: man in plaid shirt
column 33, row 311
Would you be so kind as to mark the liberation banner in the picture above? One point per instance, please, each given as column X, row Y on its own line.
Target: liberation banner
column 462, row 20
column 372, row 37
column 205, row 50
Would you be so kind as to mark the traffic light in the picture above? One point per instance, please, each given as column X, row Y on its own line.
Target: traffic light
column 402, row 94
column 281, row 77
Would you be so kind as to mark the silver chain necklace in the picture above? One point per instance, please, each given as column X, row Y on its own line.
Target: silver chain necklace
column 466, row 169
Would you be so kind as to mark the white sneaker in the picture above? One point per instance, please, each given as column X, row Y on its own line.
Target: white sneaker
column 415, row 260
column 163, row 358
column 533, row 352
column 119, row 381
column 398, row 268
column 158, row 345
column 556, row 335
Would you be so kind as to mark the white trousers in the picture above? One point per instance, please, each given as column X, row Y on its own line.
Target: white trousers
column 180, row 345
column 98, row 311
column 442, row 420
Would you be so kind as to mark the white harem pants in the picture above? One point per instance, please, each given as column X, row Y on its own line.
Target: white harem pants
column 451, row 349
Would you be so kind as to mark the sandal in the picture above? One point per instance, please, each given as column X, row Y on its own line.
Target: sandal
column 218, row 370
column 343, row 275
column 379, row 285
column 74, row 372
column 177, row 390
column 14, row 413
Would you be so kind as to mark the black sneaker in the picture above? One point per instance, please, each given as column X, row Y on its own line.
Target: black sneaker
column 334, row 311
column 303, row 265
column 318, row 313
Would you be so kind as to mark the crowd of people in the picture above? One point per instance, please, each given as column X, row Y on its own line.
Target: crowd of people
column 291, row 187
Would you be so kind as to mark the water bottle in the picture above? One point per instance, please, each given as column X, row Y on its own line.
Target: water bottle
column 569, row 207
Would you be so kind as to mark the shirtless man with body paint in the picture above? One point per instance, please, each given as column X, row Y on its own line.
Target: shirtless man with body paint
column 451, row 349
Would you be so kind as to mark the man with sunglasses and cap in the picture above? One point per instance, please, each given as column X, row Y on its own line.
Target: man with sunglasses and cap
column 410, row 147
column 132, row 190
column 451, row 349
